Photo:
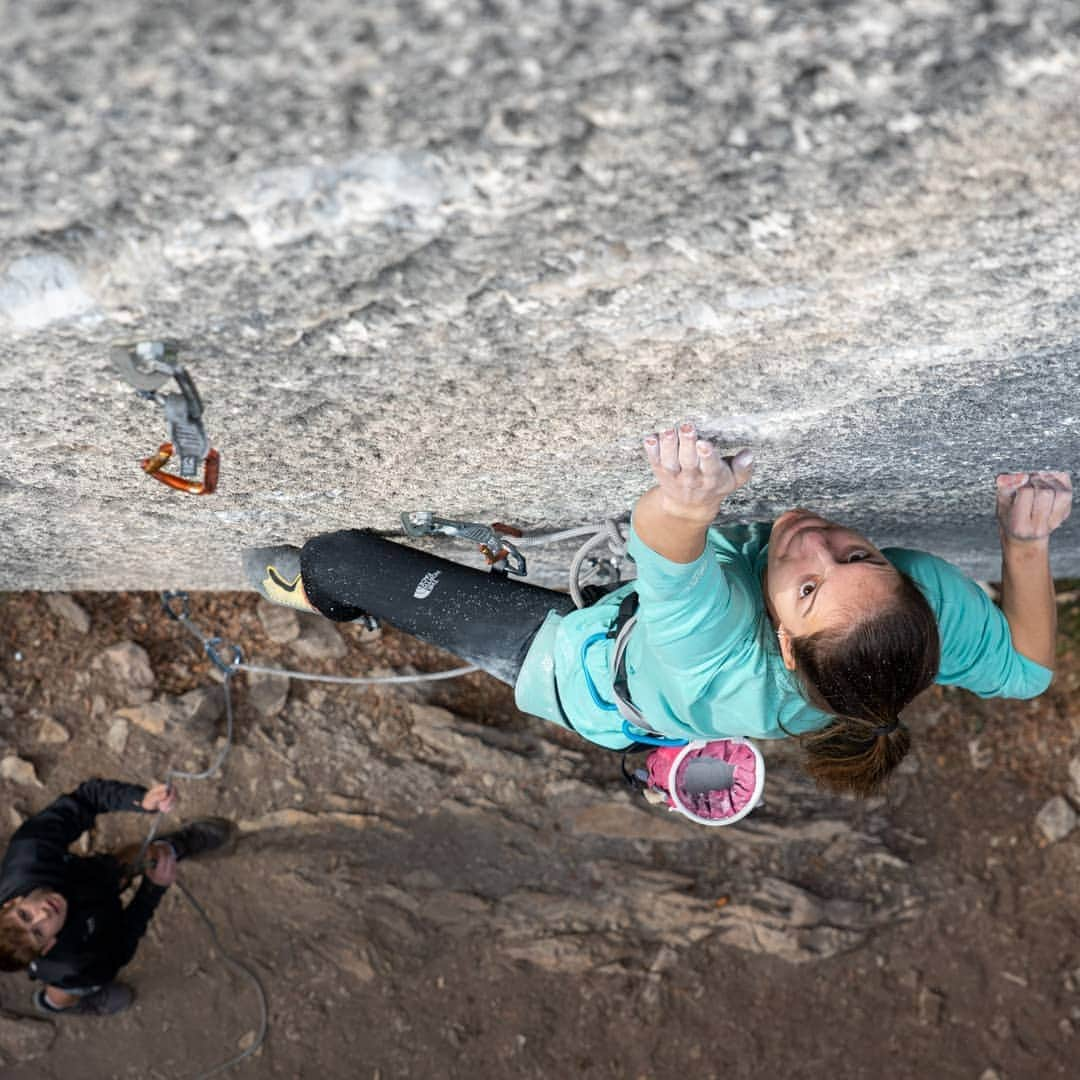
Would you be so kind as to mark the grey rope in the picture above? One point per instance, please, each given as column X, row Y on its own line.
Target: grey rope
column 609, row 532
column 453, row 673
column 179, row 774
column 264, row 1011
column 616, row 542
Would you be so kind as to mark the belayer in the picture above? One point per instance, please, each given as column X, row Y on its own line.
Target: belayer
column 797, row 627
column 61, row 916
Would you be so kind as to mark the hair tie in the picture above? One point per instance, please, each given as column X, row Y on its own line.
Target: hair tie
column 886, row 729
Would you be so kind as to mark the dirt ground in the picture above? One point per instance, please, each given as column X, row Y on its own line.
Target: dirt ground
column 431, row 884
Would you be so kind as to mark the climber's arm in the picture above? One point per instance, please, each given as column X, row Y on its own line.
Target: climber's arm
column 692, row 481
column 1030, row 507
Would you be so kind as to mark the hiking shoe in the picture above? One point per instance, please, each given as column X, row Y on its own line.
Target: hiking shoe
column 275, row 572
column 112, row 998
column 201, row 837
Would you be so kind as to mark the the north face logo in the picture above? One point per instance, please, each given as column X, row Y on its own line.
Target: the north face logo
column 426, row 585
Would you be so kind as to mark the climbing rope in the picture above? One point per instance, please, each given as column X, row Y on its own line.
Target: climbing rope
column 212, row 770
column 264, row 1012
column 616, row 542
column 176, row 606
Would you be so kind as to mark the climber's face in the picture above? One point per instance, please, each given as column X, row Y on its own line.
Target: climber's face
column 822, row 575
column 40, row 915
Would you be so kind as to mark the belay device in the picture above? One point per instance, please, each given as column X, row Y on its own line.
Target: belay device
column 147, row 366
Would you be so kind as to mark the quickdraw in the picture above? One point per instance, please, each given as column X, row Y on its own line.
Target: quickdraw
column 147, row 366
column 498, row 552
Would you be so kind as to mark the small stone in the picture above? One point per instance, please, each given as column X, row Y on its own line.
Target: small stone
column 355, row 964
column 153, row 717
column 127, row 666
column 246, row 1041
column 117, row 736
column 1056, row 819
column 280, row 624
column 982, row 757
column 361, row 632
column 318, row 640
column 909, row 766
column 20, row 771
column 200, row 710
column 267, row 694
column 67, row 609
column 931, row 1006
column 1074, row 778
column 24, row 1038
column 52, row 732
column 990, row 1074
column 1066, row 1027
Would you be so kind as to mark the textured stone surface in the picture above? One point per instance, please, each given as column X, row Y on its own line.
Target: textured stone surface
column 24, row 1038
column 462, row 256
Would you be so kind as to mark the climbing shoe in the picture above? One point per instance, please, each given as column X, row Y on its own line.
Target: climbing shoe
column 275, row 572
column 111, row 998
column 201, row 837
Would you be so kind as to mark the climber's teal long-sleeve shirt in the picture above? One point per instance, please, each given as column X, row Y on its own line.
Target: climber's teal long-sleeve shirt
column 703, row 662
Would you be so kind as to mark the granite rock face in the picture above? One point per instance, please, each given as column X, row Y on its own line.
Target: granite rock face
column 462, row 256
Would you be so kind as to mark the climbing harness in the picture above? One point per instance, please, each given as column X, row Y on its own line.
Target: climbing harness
column 712, row 782
column 501, row 555
column 147, row 366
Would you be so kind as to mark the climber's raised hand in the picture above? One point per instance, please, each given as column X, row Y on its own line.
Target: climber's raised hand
column 1030, row 506
column 693, row 478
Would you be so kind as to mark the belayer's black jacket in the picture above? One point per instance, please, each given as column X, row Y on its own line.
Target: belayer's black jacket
column 99, row 935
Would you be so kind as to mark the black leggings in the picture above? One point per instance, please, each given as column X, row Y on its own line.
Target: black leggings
column 487, row 619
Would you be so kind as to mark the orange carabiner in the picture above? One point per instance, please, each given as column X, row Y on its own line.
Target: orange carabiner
column 152, row 466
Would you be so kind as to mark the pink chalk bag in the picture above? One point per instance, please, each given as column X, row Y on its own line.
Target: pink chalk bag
column 712, row 783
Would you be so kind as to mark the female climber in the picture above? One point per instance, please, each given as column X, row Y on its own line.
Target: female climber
column 801, row 627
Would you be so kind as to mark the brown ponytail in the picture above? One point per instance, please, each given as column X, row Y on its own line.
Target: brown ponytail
column 866, row 675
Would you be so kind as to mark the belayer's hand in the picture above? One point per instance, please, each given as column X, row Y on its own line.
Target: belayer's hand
column 161, row 864
column 161, row 797
column 1030, row 506
column 693, row 478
